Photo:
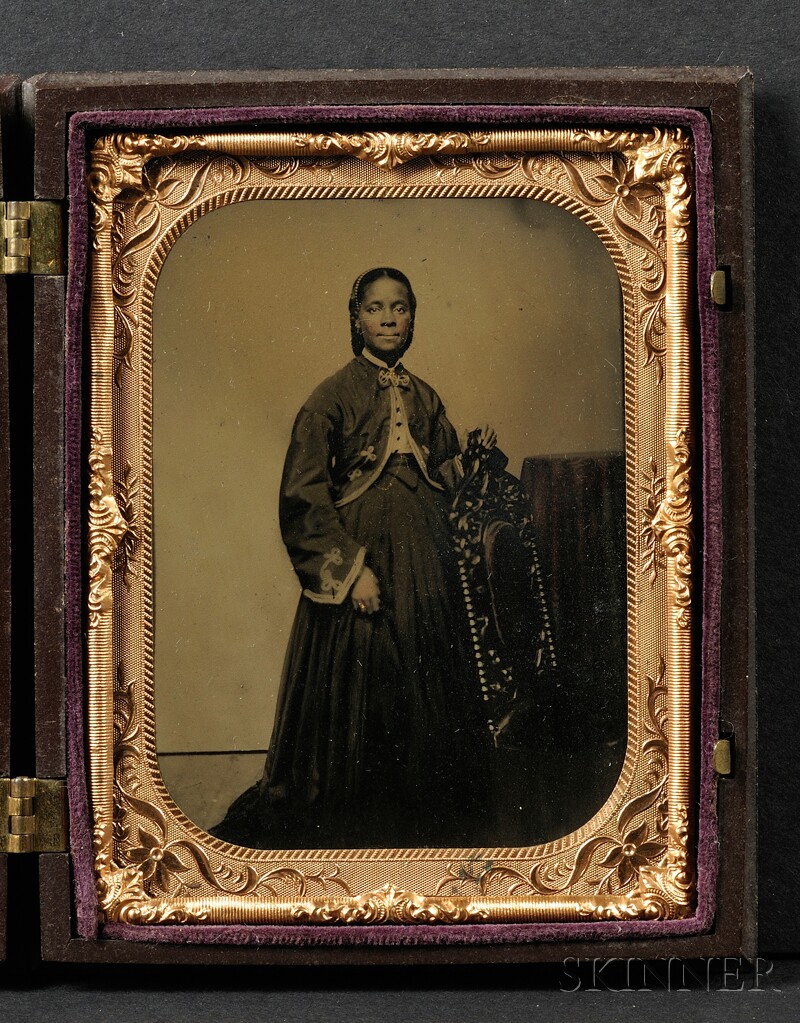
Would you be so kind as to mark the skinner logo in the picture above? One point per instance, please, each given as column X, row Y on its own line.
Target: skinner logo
column 725, row 974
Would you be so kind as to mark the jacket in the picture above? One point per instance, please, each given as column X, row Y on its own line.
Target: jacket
column 341, row 442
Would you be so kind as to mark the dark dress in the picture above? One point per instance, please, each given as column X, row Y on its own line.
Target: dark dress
column 379, row 737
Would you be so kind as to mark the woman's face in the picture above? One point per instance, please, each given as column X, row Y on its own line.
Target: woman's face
column 384, row 318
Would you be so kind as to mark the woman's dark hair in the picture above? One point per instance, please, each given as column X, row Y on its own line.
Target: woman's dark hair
column 357, row 297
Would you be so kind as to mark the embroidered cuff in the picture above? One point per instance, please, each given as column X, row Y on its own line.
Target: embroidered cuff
column 335, row 590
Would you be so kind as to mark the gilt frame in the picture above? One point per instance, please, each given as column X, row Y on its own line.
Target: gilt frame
column 564, row 883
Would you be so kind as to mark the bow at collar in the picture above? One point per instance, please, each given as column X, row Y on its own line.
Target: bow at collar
column 395, row 376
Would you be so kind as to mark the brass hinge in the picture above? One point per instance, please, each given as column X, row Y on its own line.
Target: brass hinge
column 32, row 237
column 36, row 816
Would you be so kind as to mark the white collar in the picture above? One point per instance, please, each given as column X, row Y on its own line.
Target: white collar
column 374, row 359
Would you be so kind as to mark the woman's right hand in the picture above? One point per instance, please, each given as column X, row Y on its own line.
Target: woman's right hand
column 487, row 436
column 366, row 592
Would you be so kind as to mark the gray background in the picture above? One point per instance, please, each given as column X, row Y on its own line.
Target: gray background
column 174, row 35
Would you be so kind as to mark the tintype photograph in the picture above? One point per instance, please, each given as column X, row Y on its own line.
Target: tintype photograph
column 390, row 546
column 389, row 522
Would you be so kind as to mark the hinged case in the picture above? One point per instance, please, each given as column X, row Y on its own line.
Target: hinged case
column 136, row 102
column 9, row 87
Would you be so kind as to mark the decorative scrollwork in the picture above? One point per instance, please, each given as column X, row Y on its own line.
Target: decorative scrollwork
column 118, row 160
column 623, row 909
column 672, row 525
column 127, row 502
column 389, row 149
column 118, row 163
column 657, row 156
column 127, row 757
column 655, row 748
column 149, row 866
column 671, row 882
column 667, row 158
column 107, row 527
column 141, row 205
column 121, row 896
column 652, row 557
column 623, row 860
column 632, row 201
column 611, row 864
column 658, row 161
column 388, row 905
column 663, row 890
column 634, row 188
column 150, row 873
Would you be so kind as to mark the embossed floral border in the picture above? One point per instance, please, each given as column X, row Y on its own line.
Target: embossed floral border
column 653, row 878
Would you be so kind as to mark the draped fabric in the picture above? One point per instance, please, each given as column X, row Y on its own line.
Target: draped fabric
column 578, row 503
column 575, row 730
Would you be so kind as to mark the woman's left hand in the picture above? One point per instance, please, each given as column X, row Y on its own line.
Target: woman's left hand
column 366, row 592
column 488, row 437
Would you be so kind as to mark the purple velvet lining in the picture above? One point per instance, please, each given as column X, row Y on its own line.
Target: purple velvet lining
column 80, row 834
column 80, row 823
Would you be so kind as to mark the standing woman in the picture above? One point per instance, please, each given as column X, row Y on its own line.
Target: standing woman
column 378, row 738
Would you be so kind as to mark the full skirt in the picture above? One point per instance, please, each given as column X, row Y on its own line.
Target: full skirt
column 379, row 737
